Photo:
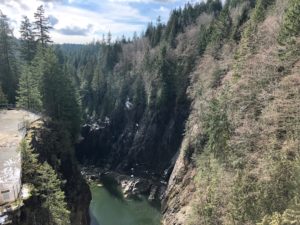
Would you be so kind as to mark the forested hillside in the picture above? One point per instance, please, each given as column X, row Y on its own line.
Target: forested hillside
column 208, row 102
column 139, row 89
column 35, row 78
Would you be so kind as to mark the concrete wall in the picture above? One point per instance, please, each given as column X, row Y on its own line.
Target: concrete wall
column 9, row 192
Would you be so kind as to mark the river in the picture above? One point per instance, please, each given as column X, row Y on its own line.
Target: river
column 108, row 207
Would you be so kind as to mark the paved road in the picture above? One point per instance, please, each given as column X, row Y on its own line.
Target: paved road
column 10, row 137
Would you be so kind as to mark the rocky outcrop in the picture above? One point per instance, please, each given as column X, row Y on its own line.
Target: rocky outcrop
column 122, row 144
column 131, row 186
column 180, row 191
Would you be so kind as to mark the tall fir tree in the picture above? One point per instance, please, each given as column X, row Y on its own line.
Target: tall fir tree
column 59, row 96
column 291, row 24
column 3, row 99
column 28, row 44
column 42, row 27
column 51, row 207
column 8, row 65
column 29, row 96
column 49, row 188
column 109, row 38
column 168, row 92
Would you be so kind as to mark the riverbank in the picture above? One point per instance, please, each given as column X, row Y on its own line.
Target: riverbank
column 131, row 186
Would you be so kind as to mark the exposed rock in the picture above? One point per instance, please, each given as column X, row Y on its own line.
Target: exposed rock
column 179, row 193
column 132, row 186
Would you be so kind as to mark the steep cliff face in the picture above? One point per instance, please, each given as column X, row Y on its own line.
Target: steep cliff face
column 183, row 187
column 222, row 109
column 147, row 145
column 144, row 129
column 241, row 133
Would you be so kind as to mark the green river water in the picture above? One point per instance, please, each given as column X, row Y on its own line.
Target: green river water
column 108, row 207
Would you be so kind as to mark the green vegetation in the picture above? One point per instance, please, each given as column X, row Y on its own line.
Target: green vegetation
column 49, row 205
column 291, row 24
column 3, row 99
column 58, row 93
column 29, row 96
column 211, row 75
column 35, row 76
column 28, row 43
column 42, row 27
column 289, row 33
column 217, row 128
column 245, row 137
column 8, row 68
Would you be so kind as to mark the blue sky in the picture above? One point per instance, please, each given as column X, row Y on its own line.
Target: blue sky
column 82, row 21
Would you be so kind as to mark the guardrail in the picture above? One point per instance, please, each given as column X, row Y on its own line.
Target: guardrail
column 7, row 106
column 13, row 106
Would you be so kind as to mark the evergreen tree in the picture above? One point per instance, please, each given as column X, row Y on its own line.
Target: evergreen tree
column 8, row 69
column 29, row 162
column 58, row 93
column 37, row 66
column 204, row 38
column 139, row 99
column 29, row 96
column 50, row 84
column 173, row 28
column 51, row 206
column 42, row 27
column 214, row 6
column 3, row 99
column 99, row 85
column 49, row 189
column 109, row 37
column 292, row 20
column 28, row 45
column 291, row 29
column 217, row 127
column 168, row 92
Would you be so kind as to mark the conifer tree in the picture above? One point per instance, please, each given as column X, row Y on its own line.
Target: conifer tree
column 29, row 162
column 168, row 92
column 29, row 96
column 217, row 127
column 42, row 27
column 28, row 45
column 3, row 99
column 8, row 69
column 49, row 188
column 99, row 85
column 109, row 37
column 140, row 98
column 291, row 24
column 173, row 28
column 58, row 93
column 37, row 66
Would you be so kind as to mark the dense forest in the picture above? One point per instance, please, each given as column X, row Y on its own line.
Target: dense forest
column 208, row 102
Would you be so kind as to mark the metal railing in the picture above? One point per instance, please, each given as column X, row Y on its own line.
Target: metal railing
column 7, row 106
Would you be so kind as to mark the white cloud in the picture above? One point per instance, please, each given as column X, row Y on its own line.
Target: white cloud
column 163, row 9
column 117, row 18
column 146, row 1
column 110, row 20
column 86, row 20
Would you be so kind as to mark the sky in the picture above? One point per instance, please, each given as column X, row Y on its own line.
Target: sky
column 83, row 21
